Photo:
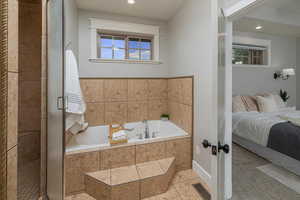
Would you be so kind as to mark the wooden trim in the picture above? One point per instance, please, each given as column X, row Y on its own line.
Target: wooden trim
column 3, row 96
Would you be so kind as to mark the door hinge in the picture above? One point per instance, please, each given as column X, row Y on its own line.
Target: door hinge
column 62, row 103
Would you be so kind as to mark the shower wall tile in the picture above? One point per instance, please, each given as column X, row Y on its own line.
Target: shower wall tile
column 138, row 89
column 137, row 111
column 12, row 122
column 76, row 166
column 156, row 108
column 95, row 114
column 29, row 147
column 29, row 118
column 12, row 165
column 13, row 44
column 116, row 113
column 158, row 89
column 187, row 91
column 116, row 90
column 93, row 90
column 118, row 157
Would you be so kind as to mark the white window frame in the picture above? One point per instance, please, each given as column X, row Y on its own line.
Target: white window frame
column 100, row 25
column 254, row 42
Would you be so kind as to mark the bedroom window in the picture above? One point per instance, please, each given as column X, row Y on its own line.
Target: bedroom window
column 124, row 47
column 251, row 52
column 249, row 55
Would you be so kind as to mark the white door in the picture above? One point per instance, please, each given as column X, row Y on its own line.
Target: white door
column 55, row 142
column 224, row 107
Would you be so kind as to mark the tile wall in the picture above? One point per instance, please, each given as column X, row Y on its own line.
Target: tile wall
column 124, row 100
column 12, row 100
column 130, row 100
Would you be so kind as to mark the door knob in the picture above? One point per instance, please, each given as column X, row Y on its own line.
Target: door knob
column 225, row 148
column 206, row 144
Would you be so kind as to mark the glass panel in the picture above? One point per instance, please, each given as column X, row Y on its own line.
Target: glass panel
column 134, row 43
column 106, row 41
column 134, row 54
column 106, row 53
column 119, row 54
column 146, row 44
column 119, row 42
column 145, row 55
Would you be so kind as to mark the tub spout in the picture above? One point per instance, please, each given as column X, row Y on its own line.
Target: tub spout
column 147, row 135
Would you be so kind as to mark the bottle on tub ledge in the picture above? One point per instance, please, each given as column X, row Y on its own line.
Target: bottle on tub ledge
column 165, row 117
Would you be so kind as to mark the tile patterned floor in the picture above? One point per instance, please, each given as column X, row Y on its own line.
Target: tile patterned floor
column 180, row 189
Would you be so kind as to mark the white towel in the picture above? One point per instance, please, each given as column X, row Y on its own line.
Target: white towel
column 76, row 106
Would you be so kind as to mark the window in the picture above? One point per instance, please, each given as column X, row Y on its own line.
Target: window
column 249, row 55
column 251, row 52
column 123, row 42
column 117, row 47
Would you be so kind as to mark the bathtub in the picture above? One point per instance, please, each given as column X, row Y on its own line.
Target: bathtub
column 96, row 138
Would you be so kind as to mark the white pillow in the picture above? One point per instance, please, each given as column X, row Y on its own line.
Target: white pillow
column 266, row 104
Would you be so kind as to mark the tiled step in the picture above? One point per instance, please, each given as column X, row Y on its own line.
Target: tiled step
column 132, row 182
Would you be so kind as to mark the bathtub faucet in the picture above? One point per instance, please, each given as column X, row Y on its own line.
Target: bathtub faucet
column 146, row 129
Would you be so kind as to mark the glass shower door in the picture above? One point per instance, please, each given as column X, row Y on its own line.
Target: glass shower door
column 55, row 159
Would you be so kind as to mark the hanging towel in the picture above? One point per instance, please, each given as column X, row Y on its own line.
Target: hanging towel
column 76, row 108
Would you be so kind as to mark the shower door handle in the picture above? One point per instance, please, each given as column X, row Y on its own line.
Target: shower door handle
column 60, row 103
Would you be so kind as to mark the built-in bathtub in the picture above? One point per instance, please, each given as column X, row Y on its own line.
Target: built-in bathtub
column 96, row 138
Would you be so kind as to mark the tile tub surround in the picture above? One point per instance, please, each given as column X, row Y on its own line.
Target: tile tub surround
column 131, row 182
column 128, row 100
column 77, row 164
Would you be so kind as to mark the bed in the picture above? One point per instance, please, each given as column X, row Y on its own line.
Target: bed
column 269, row 134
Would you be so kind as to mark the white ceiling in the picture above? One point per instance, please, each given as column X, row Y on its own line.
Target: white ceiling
column 249, row 24
column 154, row 9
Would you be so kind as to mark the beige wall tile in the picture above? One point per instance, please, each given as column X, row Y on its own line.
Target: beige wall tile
column 137, row 111
column 174, row 91
column 158, row 89
column 118, row 157
column 93, row 90
column 156, row 108
column 153, row 186
column 97, row 189
column 137, row 89
column 115, row 90
column 150, row 152
column 12, row 122
column 95, row 114
column 181, row 115
column 181, row 149
column 29, row 118
column 116, row 113
column 30, row 93
column 75, row 167
column 12, row 170
column 29, row 147
column 13, row 32
column 187, row 91
column 126, row 191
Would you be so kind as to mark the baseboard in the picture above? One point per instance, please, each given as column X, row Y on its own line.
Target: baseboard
column 202, row 173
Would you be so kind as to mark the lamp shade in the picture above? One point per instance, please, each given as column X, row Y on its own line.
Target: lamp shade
column 289, row 72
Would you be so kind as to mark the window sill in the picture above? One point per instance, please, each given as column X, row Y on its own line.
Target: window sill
column 152, row 62
column 251, row 66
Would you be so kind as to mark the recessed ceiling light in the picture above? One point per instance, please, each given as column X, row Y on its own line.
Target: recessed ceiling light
column 258, row 27
column 131, row 1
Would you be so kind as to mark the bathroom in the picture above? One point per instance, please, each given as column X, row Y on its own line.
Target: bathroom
column 107, row 99
column 132, row 109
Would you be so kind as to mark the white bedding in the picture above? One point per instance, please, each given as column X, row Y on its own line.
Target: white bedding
column 256, row 126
